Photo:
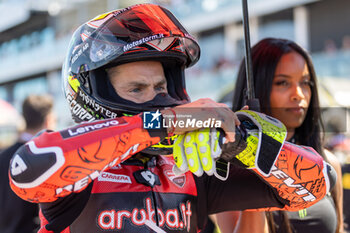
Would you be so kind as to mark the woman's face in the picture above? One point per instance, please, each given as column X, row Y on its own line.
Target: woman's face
column 291, row 91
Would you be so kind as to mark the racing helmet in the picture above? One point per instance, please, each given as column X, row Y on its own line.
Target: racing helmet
column 136, row 33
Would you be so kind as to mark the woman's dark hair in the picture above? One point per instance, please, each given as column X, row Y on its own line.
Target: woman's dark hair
column 265, row 56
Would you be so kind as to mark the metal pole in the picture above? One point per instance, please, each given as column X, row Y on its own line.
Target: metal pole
column 251, row 101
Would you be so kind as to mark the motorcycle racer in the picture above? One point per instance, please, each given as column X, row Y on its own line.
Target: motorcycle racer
column 109, row 173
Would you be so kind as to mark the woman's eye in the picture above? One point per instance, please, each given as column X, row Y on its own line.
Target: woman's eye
column 282, row 83
column 307, row 83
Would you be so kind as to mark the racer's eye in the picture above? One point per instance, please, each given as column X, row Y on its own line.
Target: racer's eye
column 136, row 90
column 161, row 88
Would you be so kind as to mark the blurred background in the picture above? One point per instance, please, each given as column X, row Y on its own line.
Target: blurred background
column 34, row 36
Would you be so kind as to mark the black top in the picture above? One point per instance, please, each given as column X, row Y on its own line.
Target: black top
column 319, row 218
column 346, row 194
column 16, row 215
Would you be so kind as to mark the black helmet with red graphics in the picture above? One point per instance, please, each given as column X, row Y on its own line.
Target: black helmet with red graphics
column 137, row 33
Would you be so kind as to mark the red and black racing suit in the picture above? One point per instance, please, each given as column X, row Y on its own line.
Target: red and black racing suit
column 84, row 183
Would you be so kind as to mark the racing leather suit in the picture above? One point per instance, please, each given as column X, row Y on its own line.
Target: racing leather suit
column 84, row 182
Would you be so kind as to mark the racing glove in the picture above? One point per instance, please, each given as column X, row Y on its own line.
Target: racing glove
column 263, row 137
column 298, row 174
column 197, row 151
column 257, row 144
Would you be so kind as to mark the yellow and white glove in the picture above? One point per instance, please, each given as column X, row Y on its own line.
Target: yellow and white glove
column 201, row 150
column 197, row 151
column 264, row 140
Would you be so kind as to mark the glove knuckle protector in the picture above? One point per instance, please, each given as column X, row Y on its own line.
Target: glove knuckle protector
column 265, row 138
column 191, row 153
column 196, row 151
column 179, row 155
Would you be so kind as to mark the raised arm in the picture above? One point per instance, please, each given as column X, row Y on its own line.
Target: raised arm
column 55, row 164
column 298, row 174
column 301, row 176
column 287, row 176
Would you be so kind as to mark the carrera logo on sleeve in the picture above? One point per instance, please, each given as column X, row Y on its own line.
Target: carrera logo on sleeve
column 82, row 129
column 110, row 177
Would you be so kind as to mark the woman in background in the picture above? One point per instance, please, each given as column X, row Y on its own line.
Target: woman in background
column 285, row 84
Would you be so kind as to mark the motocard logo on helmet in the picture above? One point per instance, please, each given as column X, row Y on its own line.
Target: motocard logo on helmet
column 82, row 129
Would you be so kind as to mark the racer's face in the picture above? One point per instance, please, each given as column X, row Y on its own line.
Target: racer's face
column 291, row 91
column 138, row 81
